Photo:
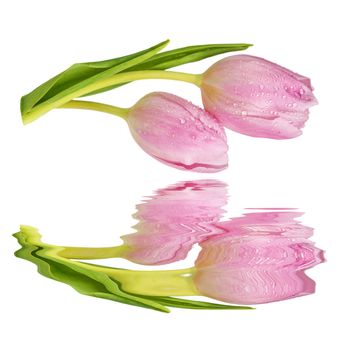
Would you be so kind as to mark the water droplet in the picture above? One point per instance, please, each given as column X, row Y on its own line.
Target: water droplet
column 244, row 113
column 182, row 121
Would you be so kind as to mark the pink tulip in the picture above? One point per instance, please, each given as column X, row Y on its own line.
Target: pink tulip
column 256, row 97
column 173, row 220
column 261, row 258
column 178, row 133
column 280, row 223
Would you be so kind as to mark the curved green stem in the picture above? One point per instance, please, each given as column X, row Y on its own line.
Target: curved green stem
column 120, row 78
column 156, row 283
column 96, row 106
column 86, row 253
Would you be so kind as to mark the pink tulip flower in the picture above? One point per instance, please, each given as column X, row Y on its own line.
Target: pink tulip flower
column 173, row 220
column 261, row 258
column 256, row 97
column 178, row 133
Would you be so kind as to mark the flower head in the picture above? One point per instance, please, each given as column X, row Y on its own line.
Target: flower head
column 256, row 97
column 173, row 220
column 178, row 133
column 258, row 261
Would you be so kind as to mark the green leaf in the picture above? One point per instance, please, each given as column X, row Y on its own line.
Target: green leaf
column 177, row 57
column 196, row 304
column 84, row 281
column 80, row 75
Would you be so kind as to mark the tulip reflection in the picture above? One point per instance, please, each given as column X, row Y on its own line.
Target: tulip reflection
column 261, row 258
column 173, row 220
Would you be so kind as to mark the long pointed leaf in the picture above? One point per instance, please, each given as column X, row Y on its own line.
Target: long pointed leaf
column 177, row 57
column 84, row 281
column 198, row 305
column 80, row 75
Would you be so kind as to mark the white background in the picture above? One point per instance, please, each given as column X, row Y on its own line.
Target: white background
column 78, row 175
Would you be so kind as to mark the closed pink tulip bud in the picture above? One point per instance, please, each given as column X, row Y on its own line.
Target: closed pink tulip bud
column 173, row 220
column 178, row 133
column 256, row 97
column 258, row 261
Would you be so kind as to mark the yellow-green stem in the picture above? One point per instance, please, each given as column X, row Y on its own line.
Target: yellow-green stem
column 96, row 106
column 87, row 253
column 120, row 78
column 157, row 283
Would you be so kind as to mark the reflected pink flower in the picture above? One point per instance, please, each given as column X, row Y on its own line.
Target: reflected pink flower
column 178, row 133
column 256, row 97
column 173, row 220
column 261, row 258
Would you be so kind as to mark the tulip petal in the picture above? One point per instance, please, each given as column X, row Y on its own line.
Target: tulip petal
column 261, row 258
column 179, row 134
column 256, row 97
column 173, row 220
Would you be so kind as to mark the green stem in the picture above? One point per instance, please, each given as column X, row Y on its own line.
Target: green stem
column 120, row 78
column 156, row 283
column 86, row 253
column 96, row 106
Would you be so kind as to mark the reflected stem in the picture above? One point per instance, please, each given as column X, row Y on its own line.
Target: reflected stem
column 86, row 253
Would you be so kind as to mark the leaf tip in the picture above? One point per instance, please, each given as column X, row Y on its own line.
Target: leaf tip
column 165, row 43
